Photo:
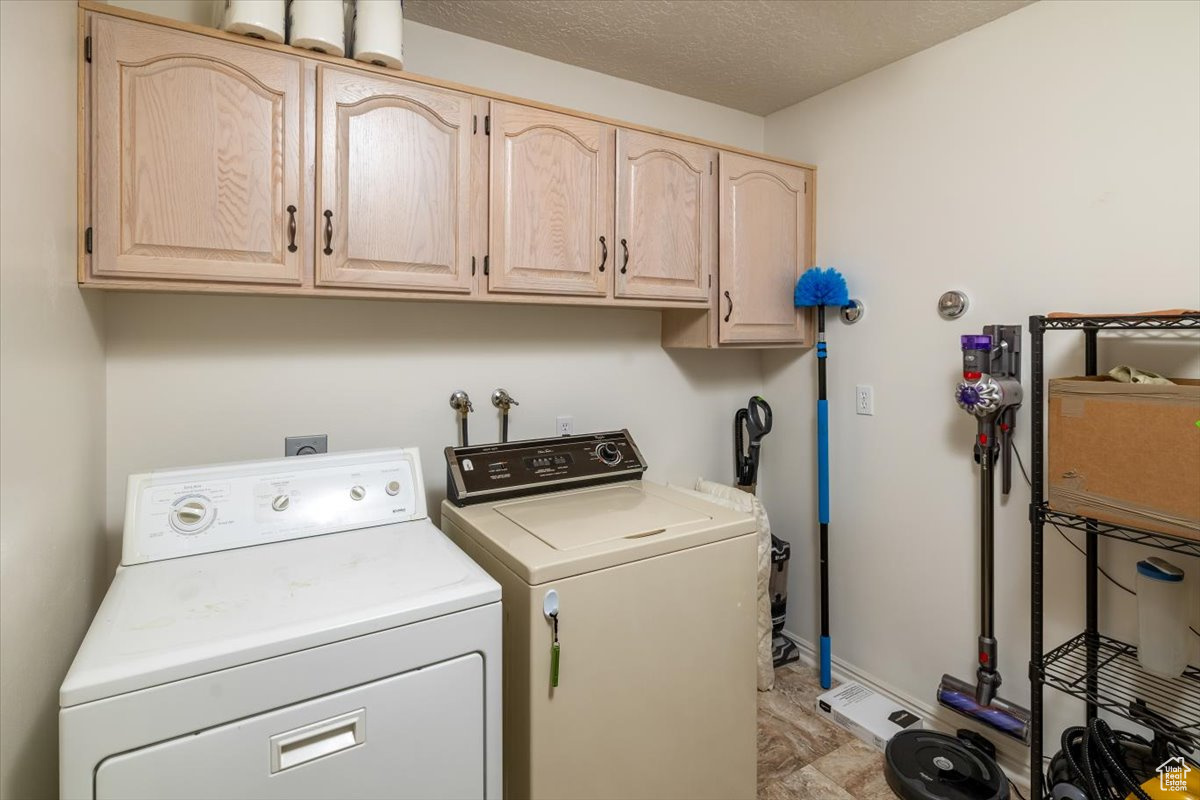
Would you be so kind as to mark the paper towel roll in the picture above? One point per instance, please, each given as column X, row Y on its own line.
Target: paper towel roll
column 319, row 25
column 379, row 33
column 262, row 19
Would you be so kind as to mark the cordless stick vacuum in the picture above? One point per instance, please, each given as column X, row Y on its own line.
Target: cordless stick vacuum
column 990, row 390
column 929, row 765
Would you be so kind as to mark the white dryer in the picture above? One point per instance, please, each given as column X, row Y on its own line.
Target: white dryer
column 294, row 628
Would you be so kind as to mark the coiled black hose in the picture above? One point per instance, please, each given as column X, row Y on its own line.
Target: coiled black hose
column 1100, row 765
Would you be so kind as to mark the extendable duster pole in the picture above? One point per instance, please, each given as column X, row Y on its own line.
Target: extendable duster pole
column 818, row 288
column 823, row 499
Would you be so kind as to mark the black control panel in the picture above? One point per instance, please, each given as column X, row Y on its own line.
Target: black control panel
column 479, row 473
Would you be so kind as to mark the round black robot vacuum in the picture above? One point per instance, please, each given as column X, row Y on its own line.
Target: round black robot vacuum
column 925, row 765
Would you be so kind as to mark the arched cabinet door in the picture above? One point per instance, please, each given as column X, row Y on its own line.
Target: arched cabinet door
column 551, row 203
column 195, row 157
column 764, row 246
column 666, row 215
column 394, row 178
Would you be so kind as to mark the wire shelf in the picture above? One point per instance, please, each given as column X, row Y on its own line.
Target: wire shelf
column 1147, row 321
column 1163, row 541
column 1121, row 680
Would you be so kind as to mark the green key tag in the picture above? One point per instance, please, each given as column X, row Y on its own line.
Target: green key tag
column 554, row 664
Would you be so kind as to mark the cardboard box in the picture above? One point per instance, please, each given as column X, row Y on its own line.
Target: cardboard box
column 1126, row 453
column 867, row 714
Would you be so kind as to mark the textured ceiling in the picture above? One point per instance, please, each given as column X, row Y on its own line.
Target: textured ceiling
column 755, row 55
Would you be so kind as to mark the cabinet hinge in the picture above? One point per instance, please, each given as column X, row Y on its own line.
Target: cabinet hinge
column 710, row 281
column 472, row 266
column 806, row 186
column 87, row 49
column 487, row 125
column 485, row 265
column 710, row 168
column 87, row 240
column 474, row 124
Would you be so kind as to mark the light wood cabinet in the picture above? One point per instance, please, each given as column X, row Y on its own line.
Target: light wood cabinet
column 666, row 217
column 764, row 247
column 551, row 203
column 195, row 157
column 215, row 163
column 394, row 184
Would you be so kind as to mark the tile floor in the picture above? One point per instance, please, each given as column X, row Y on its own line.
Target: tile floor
column 801, row 755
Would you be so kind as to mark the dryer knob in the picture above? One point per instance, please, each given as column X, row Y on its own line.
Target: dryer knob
column 357, row 493
column 191, row 515
column 281, row 502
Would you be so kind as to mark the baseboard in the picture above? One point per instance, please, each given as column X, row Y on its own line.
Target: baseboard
column 1013, row 757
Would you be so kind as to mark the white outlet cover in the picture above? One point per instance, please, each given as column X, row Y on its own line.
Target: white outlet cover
column 564, row 426
column 864, row 400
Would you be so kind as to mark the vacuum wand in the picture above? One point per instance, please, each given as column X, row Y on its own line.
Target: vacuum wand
column 990, row 390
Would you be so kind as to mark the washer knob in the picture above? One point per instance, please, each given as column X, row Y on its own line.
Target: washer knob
column 608, row 453
column 357, row 493
column 281, row 502
column 393, row 488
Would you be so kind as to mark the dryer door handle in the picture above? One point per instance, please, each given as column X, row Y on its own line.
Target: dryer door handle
column 319, row 739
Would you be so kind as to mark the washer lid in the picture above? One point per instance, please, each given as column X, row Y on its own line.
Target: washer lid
column 169, row 620
column 585, row 519
column 554, row 536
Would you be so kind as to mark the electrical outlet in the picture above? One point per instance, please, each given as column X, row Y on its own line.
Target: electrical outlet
column 864, row 400
column 565, row 426
column 306, row 445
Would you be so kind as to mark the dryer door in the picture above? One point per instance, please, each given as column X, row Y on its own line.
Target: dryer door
column 416, row 735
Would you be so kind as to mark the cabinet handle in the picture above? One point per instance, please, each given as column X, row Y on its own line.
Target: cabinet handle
column 625, row 259
column 603, row 253
column 730, row 311
column 291, row 229
column 328, row 232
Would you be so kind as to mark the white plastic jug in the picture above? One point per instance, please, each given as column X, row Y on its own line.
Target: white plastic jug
column 1162, row 618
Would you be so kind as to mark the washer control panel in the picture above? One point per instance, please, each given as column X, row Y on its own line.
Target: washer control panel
column 182, row 512
column 479, row 473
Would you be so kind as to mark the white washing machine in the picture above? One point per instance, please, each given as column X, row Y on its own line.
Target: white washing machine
column 629, row 621
column 293, row 628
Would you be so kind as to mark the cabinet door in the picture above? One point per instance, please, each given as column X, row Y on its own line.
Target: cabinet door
column 551, row 203
column 195, row 157
column 666, row 216
column 764, row 233
column 394, row 176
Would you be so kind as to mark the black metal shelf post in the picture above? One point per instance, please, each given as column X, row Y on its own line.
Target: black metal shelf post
column 1101, row 671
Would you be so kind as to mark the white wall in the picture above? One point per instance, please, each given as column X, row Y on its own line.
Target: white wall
column 198, row 379
column 52, row 561
column 1045, row 161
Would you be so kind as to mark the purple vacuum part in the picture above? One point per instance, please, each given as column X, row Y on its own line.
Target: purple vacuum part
column 968, row 395
column 1005, row 717
column 977, row 341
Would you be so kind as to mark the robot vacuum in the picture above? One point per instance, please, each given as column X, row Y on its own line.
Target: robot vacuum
column 926, row 765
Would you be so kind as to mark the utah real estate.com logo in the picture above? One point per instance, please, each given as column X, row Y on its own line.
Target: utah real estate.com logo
column 1172, row 775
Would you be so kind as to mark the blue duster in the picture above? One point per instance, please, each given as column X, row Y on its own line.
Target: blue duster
column 823, row 287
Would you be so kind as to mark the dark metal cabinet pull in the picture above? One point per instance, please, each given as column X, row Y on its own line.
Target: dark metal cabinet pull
column 729, row 313
column 328, row 232
column 603, row 253
column 291, row 229
column 625, row 259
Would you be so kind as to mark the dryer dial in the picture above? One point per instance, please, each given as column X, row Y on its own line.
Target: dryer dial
column 191, row 515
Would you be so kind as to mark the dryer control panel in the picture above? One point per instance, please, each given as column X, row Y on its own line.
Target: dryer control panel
column 479, row 473
column 174, row 513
